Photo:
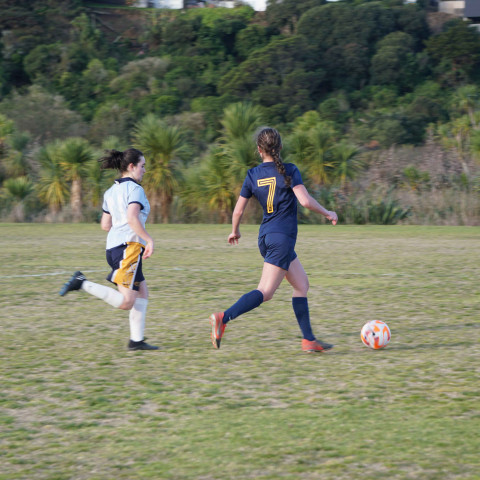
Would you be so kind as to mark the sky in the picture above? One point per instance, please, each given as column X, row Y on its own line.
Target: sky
column 258, row 5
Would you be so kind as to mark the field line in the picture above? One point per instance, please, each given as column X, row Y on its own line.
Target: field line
column 173, row 269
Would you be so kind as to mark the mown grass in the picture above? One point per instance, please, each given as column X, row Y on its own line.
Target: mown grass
column 74, row 404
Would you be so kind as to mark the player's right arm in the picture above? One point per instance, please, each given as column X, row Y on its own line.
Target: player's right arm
column 106, row 221
column 236, row 219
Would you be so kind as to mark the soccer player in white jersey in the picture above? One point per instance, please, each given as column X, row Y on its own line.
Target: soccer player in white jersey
column 125, row 211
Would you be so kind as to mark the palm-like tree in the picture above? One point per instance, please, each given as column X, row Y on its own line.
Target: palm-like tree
column 17, row 190
column 217, row 184
column 97, row 180
column 466, row 100
column 311, row 149
column 6, row 129
column 15, row 161
column 237, row 156
column 240, row 119
column 475, row 144
column 113, row 143
column 208, row 185
column 236, row 146
column 52, row 186
column 76, row 153
column 216, row 180
column 346, row 162
column 456, row 135
column 162, row 144
column 319, row 154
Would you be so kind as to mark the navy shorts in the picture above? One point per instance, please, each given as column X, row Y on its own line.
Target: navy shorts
column 126, row 263
column 277, row 249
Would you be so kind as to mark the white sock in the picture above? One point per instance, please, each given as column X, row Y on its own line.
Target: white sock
column 107, row 294
column 137, row 319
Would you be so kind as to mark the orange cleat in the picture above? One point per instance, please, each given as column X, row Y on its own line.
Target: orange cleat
column 315, row 346
column 218, row 328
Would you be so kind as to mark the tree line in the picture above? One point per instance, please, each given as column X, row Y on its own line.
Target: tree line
column 355, row 87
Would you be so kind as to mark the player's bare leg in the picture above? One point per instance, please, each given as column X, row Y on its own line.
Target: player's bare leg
column 298, row 279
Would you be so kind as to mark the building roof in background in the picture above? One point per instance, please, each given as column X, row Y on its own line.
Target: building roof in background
column 472, row 8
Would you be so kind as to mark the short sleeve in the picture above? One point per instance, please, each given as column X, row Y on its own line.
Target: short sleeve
column 105, row 206
column 136, row 195
column 246, row 191
column 296, row 177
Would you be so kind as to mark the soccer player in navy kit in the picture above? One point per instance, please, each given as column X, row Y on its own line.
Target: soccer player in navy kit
column 278, row 187
column 125, row 211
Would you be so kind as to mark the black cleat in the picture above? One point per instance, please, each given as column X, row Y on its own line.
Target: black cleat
column 75, row 283
column 142, row 345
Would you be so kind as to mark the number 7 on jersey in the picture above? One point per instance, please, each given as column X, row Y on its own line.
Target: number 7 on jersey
column 271, row 183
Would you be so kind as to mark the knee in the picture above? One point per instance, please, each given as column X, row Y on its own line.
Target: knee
column 302, row 289
column 267, row 295
column 127, row 304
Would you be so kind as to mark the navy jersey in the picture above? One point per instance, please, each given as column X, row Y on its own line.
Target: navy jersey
column 278, row 201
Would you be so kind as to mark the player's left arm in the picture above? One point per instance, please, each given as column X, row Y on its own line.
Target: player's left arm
column 307, row 201
column 133, row 219
column 236, row 219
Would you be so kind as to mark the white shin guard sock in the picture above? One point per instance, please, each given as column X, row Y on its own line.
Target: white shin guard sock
column 107, row 294
column 137, row 319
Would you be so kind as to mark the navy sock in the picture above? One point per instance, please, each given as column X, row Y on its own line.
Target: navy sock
column 244, row 304
column 300, row 307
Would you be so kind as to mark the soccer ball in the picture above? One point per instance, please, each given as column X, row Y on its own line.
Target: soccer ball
column 375, row 334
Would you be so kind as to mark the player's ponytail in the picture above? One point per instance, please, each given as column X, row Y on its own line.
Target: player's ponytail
column 270, row 141
column 281, row 167
column 120, row 160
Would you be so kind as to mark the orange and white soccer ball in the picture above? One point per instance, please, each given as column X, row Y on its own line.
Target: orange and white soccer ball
column 375, row 334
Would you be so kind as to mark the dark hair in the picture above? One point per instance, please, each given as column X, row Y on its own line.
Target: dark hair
column 270, row 141
column 120, row 160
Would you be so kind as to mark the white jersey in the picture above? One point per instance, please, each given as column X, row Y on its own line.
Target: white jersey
column 115, row 202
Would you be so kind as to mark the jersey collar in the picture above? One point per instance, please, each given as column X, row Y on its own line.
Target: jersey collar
column 125, row 179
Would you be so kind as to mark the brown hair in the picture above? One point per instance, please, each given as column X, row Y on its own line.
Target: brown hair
column 120, row 160
column 270, row 141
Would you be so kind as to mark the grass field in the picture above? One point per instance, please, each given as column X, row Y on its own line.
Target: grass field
column 74, row 404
